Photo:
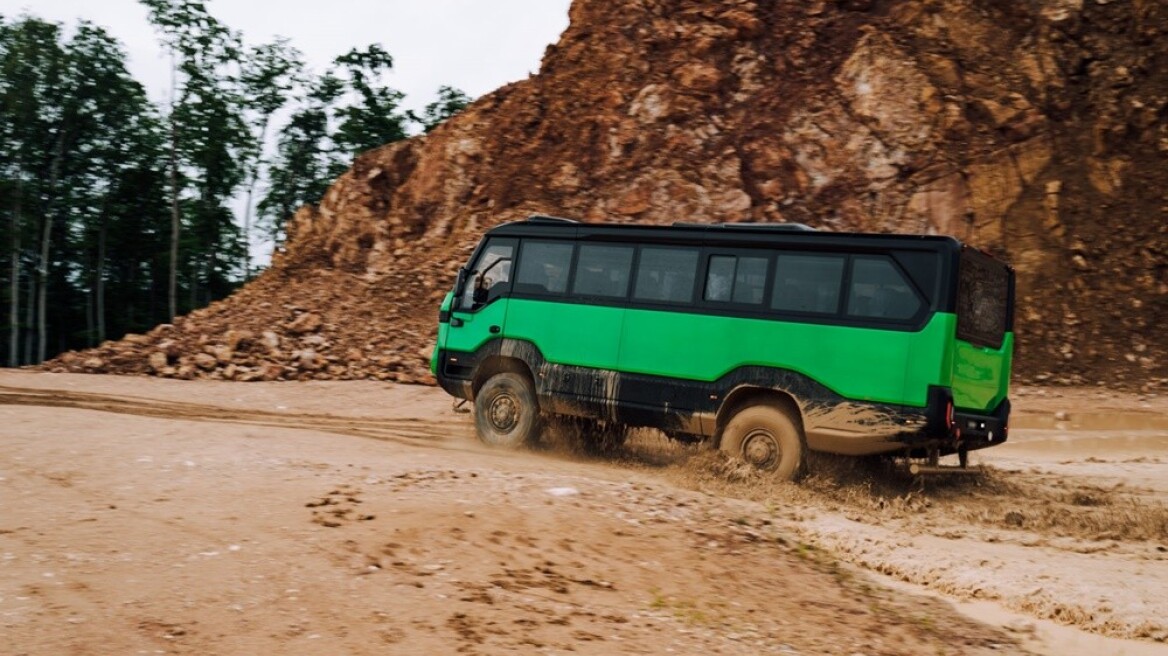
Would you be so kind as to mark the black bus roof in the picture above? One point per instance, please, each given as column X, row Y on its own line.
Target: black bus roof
column 722, row 234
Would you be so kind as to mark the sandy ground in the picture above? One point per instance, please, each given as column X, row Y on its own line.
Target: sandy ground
column 147, row 516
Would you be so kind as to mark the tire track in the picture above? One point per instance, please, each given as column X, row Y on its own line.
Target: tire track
column 407, row 431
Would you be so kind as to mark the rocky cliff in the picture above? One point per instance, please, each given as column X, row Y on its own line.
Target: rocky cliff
column 1036, row 129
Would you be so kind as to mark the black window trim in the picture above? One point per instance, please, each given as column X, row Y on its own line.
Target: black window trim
column 763, row 311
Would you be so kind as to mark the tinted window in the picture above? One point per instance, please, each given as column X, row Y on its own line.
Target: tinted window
column 666, row 274
column 720, row 278
column 808, row 283
column 494, row 272
column 983, row 299
column 738, row 279
column 750, row 279
column 603, row 270
column 543, row 267
column 880, row 291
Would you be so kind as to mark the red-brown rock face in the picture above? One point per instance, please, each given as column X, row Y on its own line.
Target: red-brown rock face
column 1037, row 130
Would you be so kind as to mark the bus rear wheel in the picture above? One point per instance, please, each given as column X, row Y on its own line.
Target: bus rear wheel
column 506, row 412
column 767, row 438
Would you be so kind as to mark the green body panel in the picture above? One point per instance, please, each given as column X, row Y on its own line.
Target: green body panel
column 570, row 333
column 981, row 375
column 476, row 326
column 857, row 363
column 443, row 329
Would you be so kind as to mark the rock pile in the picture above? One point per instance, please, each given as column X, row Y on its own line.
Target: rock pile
column 324, row 326
column 1038, row 131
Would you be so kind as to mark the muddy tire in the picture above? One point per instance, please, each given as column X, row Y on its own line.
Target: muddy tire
column 506, row 412
column 768, row 438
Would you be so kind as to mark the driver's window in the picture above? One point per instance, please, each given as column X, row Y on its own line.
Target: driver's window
column 488, row 271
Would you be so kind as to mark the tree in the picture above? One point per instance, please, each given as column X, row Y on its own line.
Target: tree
column 70, row 111
column 306, row 159
column 450, row 102
column 209, row 144
column 182, row 25
column 311, row 152
column 116, row 214
column 10, row 190
column 121, row 141
column 214, row 138
column 270, row 74
column 36, row 131
column 372, row 118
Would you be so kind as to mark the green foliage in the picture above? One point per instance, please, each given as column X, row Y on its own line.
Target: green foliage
column 212, row 142
column 450, row 102
column 90, row 168
column 373, row 116
column 271, row 74
column 80, row 153
column 306, row 159
column 351, row 96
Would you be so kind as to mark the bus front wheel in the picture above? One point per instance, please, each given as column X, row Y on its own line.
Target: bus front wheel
column 506, row 412
column 767, row 438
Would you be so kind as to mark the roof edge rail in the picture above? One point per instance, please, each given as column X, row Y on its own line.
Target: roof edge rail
column 782, row 227
column 540, row 218
column 778, row 227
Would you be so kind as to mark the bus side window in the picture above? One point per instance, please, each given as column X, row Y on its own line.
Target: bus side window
column 750, row 280
column 720, row 279
column 879, row 291
column 736, row 279
column 666, row 275
column 543, row 268
column 808, row 283
column 603, row 270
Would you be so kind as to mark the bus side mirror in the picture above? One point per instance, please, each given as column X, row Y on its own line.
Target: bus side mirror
column 483, row 284
column 460, row 282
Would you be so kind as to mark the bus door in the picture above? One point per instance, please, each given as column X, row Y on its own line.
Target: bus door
column 479, row 313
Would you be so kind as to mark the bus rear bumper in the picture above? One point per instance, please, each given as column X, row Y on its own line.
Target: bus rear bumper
column 952, row 430
column 977, row 431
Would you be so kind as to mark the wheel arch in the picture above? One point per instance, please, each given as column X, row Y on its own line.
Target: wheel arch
column 745, row 396
column 498, row 364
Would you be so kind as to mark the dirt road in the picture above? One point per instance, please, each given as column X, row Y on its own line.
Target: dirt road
column 146, row 516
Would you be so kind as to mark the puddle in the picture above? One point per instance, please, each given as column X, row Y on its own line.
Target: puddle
column 1089, row 443
column 1107, row 421
column 1090, row 434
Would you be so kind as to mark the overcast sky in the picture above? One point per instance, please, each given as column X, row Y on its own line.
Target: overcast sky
column 474, row 45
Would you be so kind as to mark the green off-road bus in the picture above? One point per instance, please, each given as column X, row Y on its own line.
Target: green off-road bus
column 766, row 339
